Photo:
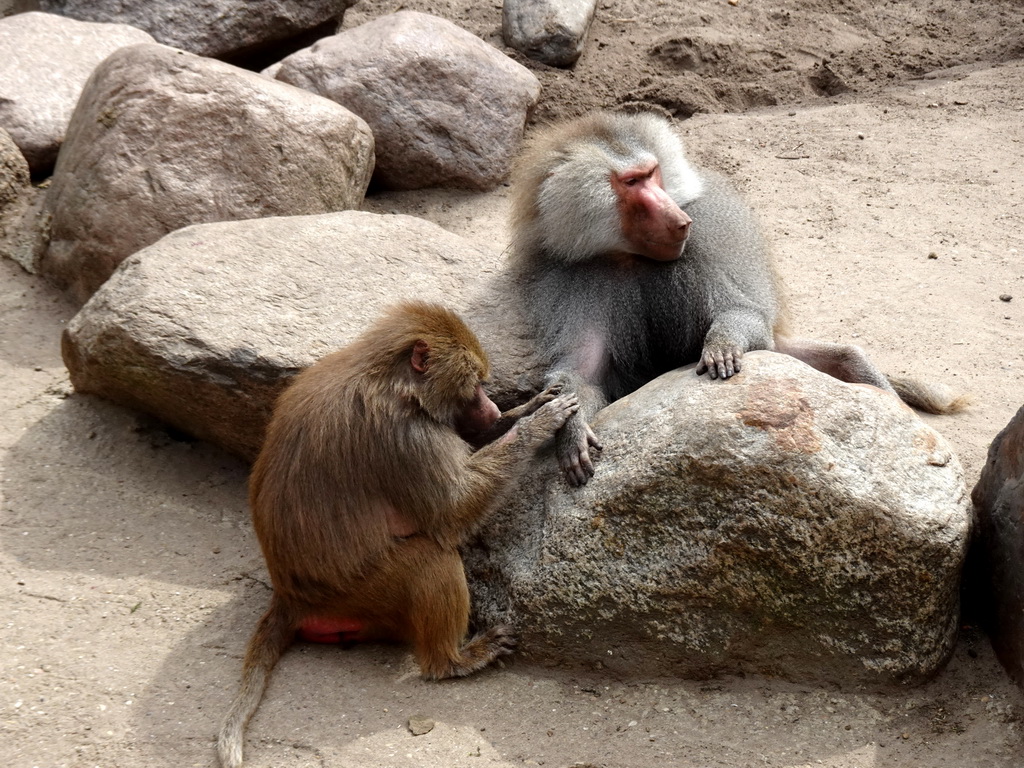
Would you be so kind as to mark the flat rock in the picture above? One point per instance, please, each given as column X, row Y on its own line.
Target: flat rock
column 161, row 139
column 218, row 28
column 781, row 523
column 446, row 108
column 419, row 725
column 44, row 63
column 552, row 32
column 205, row 327
column 999, row 502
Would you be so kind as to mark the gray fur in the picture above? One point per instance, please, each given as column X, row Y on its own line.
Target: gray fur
column 654, row 316
column 608, row 322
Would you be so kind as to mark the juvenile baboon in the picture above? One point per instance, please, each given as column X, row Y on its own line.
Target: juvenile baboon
column 632, row 261
column 364, row 489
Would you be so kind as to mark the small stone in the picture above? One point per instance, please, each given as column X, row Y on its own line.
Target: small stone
column 552, row 32
column 419, row 725
column 1005, row 297
column 933, row 255
column 860, row 136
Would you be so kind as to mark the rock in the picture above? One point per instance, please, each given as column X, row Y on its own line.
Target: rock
column 11, row 7
column 14, row 174
column 162, row 139
column 419, row 725
column 445, row 107
column 552, row 32
column 204, row 328
column 44, row 63
column 999, row 548
column 20, row 207
column 219, row 28
column 782, row 523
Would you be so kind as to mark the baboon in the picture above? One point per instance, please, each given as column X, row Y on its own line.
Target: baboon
column 365, row 487
column 631, row 261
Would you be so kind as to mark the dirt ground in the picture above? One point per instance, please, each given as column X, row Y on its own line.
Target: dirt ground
column 889, row 182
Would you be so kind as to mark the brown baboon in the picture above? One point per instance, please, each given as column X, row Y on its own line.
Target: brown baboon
column 364, row 489
column 632, row 261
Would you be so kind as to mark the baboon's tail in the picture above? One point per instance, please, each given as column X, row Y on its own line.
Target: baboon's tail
column 273, row 635
column 930, row 398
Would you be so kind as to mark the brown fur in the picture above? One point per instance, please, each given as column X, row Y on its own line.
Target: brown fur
column 364, row 490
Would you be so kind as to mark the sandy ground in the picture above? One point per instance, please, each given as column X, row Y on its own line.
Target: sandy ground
column 131, row 575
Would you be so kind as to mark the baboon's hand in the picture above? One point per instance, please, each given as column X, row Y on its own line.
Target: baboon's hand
column 720, row 361
column 539, row 399
column 550, row 416
column 535, row 429
column 572, row 447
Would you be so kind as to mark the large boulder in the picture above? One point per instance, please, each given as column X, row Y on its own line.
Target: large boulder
column 446, row 108
column 44, row 63
column 781, row 522
column 218, row 28
column 206, row 326
column 999, row 550
column 161, row 139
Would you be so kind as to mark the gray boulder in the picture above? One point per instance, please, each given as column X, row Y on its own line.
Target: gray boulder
column 162, row 139
column 445, row 107
column 14, row 174
column 552, row 32
column 44, row 63
column 206, row 326
column 219, row 28
column 782, row 523
column 999, row 502
column 20, row 207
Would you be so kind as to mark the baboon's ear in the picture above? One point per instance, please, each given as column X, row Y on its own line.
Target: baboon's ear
column 420, row 356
